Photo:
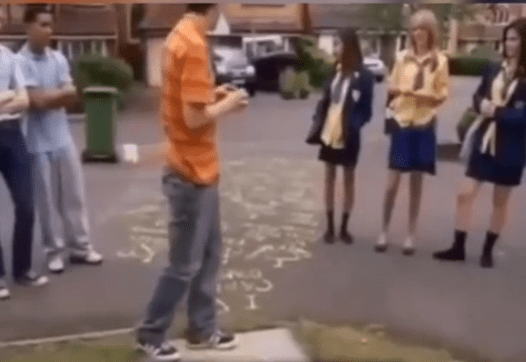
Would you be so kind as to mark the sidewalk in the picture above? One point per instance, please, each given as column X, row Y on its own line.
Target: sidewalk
column 268, row 345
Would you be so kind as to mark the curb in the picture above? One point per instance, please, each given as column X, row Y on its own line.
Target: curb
column 67, row 338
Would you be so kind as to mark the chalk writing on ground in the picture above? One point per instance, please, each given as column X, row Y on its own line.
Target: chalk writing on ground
column 270, row 213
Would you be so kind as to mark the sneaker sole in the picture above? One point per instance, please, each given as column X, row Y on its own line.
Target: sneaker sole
column 173, row 358
column 381, row 248
column 220, row 347
column 409, row 252
column 450, row 260
column 79, row 261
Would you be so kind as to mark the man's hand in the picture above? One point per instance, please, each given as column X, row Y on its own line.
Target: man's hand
column 238, row 100
column 223, row 90
column 422, row 100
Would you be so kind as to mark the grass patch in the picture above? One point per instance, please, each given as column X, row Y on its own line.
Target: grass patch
column 356, row 343
column 367, row 344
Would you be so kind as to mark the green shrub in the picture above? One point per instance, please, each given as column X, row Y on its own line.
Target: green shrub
column 320, row 73
column 293, row 83
column 474, row 63
column 301, row 82
column 316, row 62
column 286, row 80
column 467, row 66
column 485, row 52
column 96, row 70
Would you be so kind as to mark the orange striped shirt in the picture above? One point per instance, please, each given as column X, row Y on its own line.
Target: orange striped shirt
column 187, row 78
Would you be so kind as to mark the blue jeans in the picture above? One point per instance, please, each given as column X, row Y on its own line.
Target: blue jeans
column 15, row 166
column 195, row 256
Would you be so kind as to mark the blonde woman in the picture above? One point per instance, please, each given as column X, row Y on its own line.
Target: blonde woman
column 499, row 143
column 418, row 86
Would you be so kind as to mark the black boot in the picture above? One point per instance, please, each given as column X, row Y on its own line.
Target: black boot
column 486, row 260
column 456, row 252
column 344, row 234
column 329, row 234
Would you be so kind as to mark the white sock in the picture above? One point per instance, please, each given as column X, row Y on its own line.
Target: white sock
column 409, row 242
column 382, row 239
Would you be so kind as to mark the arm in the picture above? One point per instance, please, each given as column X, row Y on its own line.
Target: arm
column 41, row 99
column 510, row 117
column 203, row 104
column 197, row 115
column 16, row 100
column 364, row 106
column 482, row 90
column 64, row 95
column 19, row 103
column 393, row 88
column 323, row 103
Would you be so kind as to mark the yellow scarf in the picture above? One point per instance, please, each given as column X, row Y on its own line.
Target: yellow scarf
column 332, row 134
column 502, row 88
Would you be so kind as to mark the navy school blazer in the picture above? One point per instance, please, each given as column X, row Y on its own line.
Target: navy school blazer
column 355, row 114
column 510, row 120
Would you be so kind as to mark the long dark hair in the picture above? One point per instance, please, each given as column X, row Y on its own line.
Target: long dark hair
column 519, row 26
column 351, row 59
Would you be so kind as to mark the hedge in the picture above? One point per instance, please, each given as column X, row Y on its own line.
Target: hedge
column 96, row 70
column 293, row 83
column 467, row 66
column 314, row 61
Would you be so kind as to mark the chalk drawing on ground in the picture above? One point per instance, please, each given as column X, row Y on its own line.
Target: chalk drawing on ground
column 270, row 220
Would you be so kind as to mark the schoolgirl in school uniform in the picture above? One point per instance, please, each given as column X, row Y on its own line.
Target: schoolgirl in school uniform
column 341, row 113
column 498, row 147
column 419, row 84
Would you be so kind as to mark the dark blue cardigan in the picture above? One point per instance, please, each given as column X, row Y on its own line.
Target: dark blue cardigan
column 356, row 114
column 510, row 120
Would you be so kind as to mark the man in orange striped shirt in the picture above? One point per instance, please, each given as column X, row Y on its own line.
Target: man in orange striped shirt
column 190, row 108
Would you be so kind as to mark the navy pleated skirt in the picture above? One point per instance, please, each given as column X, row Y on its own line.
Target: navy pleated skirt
column 413, row 148
column 486, row 168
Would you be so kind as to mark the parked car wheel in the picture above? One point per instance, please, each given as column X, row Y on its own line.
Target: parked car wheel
column 304, row 94
column 251, row 89
column 287, row 95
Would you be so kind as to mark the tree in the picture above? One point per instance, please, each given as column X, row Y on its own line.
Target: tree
column 392, row 19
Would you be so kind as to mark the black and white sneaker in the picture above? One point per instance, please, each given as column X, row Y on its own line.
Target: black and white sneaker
column 32, row 279
column 220, row 340
column 164, row 352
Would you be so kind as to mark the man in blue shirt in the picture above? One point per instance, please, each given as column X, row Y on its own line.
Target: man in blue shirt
column 16, row 169
column 59, row 185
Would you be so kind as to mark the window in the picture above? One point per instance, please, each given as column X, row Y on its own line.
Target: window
column 136, row 17
column 16, row 14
